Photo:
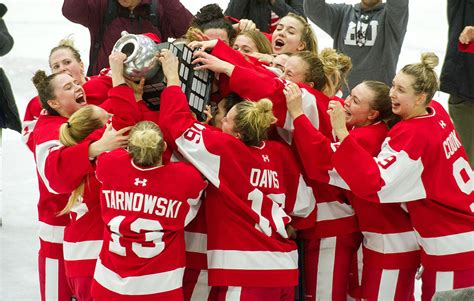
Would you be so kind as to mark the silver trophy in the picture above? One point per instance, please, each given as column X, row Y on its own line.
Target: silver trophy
column 141, row 62
column 140, row 51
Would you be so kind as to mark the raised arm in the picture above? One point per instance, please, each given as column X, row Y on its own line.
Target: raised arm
column 397, row 18
column 237, row 8
column 281, row 8
column 88, row 13
column 328, row 17
column 175, row 18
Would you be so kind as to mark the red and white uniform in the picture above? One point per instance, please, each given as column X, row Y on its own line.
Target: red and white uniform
column 390, row 249
column 53, row 284
column 60, row 170
column 247, row 241
column 84, row 235
column 145, row 211
column 423, row 164
column 336, row 228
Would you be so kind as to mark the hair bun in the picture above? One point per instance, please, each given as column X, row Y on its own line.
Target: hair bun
column 208, row 13
column 429, row 60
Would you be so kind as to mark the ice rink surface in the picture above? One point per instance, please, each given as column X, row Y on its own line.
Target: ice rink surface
column 37, row 26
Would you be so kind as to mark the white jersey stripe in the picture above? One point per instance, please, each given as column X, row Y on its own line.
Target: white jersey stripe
column 194, row 205
column 326, row 260
column 195, row 242
column 82, row 250
column 388, row 285
column 42, row 153
column 305, row 201
column 49, row 233
column 233, row 293
column 252, row 260
column 202, row 289
column 51, row 279
column 447, row 245
column 444, row 281
column 30, row 125
column 138, row 285
column 391, row 243
column 402, row 178
column 333, row 210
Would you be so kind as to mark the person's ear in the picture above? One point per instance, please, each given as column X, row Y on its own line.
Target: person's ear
column 165, row 146
column 373, row 115
column 54, row 104
column 301, row 46
column 420, row 99
column 311, row 84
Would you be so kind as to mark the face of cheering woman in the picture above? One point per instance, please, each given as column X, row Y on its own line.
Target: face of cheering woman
column 68, row 94
column 65, row 58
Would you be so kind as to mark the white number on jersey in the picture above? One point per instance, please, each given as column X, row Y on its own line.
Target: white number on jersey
column 461, row 167
column 277, row 213
column 155, row 235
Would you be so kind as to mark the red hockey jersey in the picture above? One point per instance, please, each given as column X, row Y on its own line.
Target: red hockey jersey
column 145, row 211
column 334, row 215
column 423, row 164
column 389, row 239
column 247, row 241
column 61, row 169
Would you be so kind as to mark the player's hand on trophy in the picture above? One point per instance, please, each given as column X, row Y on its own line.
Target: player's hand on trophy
column 244, row 25
column 169, row 64
column 116, row 60
column 206, row 61
column 202, row 45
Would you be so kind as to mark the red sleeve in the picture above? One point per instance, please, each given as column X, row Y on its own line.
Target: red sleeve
column 32, row 113
column 300, row 200
column 363, row 178
column 313, row 148
column 64, row 167
column 466, row 47
column 175, row 115
column 254, row 85
column 97, row 89
column 149, row 114
column 230, row 55
column 124, row 107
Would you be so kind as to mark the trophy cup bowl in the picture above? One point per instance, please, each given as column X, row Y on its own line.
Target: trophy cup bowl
column 140, row 51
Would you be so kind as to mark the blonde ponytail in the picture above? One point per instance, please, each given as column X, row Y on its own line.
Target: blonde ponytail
column 253, row 119
column 146, row 144
column 336, row 68
column 79, row 126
